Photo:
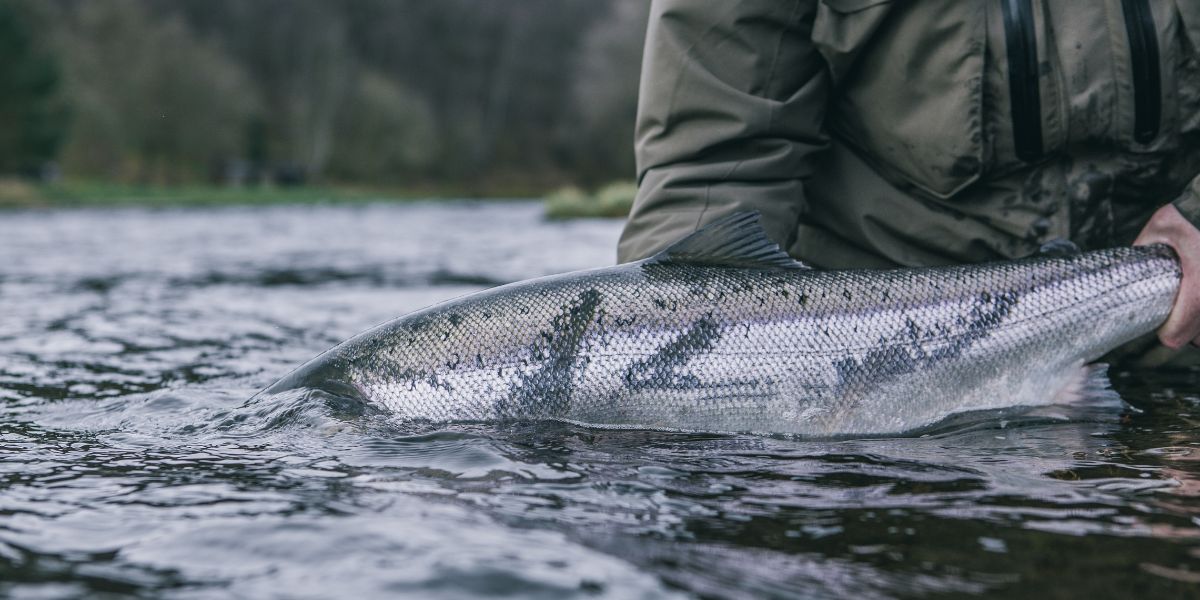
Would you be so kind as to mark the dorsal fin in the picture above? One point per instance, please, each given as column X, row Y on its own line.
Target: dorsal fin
column 736, row 240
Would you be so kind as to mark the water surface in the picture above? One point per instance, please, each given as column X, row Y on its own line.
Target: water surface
column 132, row 462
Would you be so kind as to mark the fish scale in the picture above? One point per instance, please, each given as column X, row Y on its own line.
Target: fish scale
column 723, row 332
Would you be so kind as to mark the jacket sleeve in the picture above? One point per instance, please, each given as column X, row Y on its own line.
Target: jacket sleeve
column 732, row 99
column 1188, row 203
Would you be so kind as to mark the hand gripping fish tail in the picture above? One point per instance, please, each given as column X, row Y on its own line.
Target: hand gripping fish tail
column 723, row 332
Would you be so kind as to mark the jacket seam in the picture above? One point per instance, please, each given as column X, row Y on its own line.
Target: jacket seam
column 708, row 193
column 791, row 21
column 689, row 59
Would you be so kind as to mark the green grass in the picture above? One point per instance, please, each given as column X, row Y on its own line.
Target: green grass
column 612, row 201
column 110, row 194
column 16, row 193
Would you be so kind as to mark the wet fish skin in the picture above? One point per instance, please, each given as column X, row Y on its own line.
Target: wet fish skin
column 723, row 332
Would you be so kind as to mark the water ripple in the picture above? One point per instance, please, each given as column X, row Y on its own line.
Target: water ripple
column 136, row 460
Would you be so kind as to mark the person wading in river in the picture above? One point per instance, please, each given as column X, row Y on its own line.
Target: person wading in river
column 877, row 133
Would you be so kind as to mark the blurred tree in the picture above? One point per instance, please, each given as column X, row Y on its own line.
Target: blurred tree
column 497, row 76
column 154, row 103
column 256, row 141
column 298, row 55
column 605, row 92
column 32, row 109
column 483, row 95
column 392, row 132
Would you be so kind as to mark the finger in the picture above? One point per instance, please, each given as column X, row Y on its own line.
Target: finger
column 1183, row 324
column 1147, row 237
column 1169, row 227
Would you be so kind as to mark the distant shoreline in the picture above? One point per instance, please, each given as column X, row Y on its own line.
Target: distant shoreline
column 20, row 194
column 17, row 194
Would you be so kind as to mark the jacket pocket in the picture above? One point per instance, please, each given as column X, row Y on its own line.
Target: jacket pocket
column 908, row 80
column 1189, row 13
column 842, row 28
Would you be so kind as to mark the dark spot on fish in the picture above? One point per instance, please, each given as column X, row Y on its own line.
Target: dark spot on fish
column 545, row 391
column 914, row 330
column 437, row 384
column 455, row 319
column 891, row 360
column 418, row 376
column 664, row 368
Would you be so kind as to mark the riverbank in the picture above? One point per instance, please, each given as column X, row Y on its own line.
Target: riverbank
column 611, row 201
column 17, row 193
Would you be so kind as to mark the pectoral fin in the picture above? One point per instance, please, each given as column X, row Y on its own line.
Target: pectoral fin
column 1086, row 390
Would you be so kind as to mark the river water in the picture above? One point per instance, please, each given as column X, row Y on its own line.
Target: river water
column 133, row 464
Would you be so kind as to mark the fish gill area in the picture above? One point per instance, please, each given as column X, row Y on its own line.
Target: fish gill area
column 134, row 463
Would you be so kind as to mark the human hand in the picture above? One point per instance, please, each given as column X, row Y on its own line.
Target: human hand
column 1169, row 227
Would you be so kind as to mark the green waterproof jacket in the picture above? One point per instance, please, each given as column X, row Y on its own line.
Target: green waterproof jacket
column 917, row 132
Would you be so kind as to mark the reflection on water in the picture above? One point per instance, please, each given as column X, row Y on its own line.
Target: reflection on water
column 132, row 463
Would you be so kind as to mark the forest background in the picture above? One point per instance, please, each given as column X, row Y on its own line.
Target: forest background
column 418, row 97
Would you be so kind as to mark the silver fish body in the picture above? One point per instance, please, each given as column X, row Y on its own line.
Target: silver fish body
column 722, row 332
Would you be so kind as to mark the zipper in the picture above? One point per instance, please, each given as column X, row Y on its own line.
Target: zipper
column 1143, row 54
column 1020, row 40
